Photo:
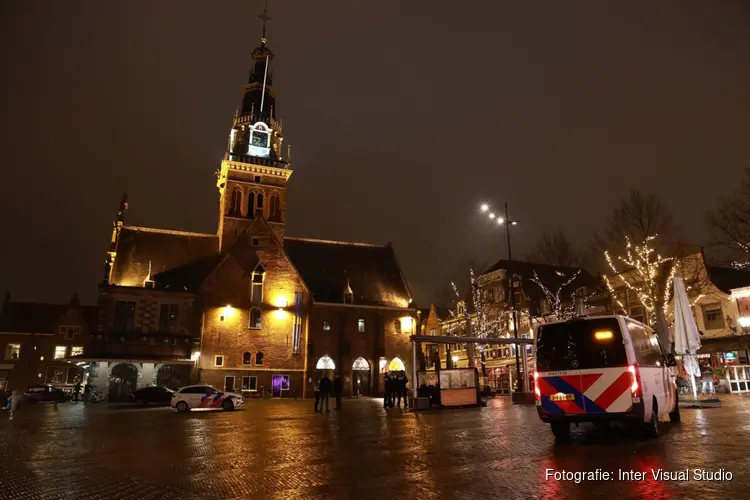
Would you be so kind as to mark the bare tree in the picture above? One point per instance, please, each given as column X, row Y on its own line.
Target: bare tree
column 730, row 223
column 555, row 249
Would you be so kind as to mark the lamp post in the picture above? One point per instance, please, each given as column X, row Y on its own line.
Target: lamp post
column 520, row 382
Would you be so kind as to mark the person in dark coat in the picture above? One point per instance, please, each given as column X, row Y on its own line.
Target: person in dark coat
column 316, row 391
column 388, row 386
column 76, row 391
column 338, row 389
column 326, row 386
column 403, row 391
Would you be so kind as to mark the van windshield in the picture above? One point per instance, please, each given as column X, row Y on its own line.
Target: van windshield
column 580, row 345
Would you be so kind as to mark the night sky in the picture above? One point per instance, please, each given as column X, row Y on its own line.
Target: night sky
column 402, row 117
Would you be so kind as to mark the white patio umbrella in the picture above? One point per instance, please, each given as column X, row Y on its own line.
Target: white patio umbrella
column 687, row 340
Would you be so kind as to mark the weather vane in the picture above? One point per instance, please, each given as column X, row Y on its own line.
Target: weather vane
column 264, row 17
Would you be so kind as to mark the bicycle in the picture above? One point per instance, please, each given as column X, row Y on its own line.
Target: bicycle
column 97, row 397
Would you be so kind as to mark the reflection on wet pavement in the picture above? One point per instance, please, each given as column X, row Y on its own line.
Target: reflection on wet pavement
column 281, row 449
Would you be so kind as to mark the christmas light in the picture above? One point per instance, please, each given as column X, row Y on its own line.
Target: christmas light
column 561, row 309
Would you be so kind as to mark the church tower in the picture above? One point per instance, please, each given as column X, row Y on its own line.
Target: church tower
column 253, row 175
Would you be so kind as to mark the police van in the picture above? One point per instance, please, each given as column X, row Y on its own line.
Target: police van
column 601, row 369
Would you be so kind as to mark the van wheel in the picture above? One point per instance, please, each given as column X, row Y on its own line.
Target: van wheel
column 652, row 428
column 561, row 430
column 182, row 406
column 674, row 416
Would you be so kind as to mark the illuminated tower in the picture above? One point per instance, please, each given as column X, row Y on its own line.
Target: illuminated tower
column 253, row 175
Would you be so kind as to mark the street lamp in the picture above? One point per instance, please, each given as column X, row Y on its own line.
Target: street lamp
column 486, row 208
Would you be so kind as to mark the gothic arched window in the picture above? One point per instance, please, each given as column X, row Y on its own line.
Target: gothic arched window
column 259, row 359
column 235, row 206
column 250, row 204
column 274, row 213
column 256, row 284
column 255, row 318
column 246, row 358
column 259, row 205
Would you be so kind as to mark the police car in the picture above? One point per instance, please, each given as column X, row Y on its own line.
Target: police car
column 601, row 369
column 204, row 396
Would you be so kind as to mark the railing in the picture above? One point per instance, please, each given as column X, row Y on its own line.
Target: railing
column 255, row 160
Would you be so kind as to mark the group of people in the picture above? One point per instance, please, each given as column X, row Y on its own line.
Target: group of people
column 324, row 388
column 395, row 389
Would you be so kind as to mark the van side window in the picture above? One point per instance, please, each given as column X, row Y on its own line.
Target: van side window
column 645, row 345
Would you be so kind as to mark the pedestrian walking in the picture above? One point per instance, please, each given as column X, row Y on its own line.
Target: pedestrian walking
column 76, row 391
column 15, row 402
column 316, row 391
column 387, row 386
column 404, row 391
column 338, row 389
column 707, row 376
column 326, row 386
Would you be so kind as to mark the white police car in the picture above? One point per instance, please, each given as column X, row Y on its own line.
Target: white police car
column 204, row 396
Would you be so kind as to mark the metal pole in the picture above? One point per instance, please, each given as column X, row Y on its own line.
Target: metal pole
column 520, row 386
column 413, row 372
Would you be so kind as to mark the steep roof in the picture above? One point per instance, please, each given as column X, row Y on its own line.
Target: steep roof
column 179, row 260
column 38, row 317
column 727, row 278
column 371, row 270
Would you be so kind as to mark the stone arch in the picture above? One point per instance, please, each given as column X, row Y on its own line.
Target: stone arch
column 360, row 364
column 325, row 363
column 235, row 202
column 396, row 365
column 361, row 377
column 123, row 380
column 172, row 376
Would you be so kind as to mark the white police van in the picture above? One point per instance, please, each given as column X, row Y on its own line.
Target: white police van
column 600, row 369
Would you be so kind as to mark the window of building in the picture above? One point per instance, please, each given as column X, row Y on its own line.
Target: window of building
column 76, row 350
column 259, row 205
column 250, row 204
column 256, row 286
column 460, row 309
column 396, row 326
column 257, row 179
column 259, row 359
column 124, row 316
column 275, row 208
column 72, row 314
column 713, row 318
column 432, row 331
column 168, row 317
column 235, row 207
column 219, row 360
column 361, row 325
column 619, row 296
column 12, row 351
column 637, row 314
column 246, row 358
column 69, row 331
column 326, row 325
column 255, row 242
column 60, row 351
column 250, row 383
column 229, row 383
column 255, row 318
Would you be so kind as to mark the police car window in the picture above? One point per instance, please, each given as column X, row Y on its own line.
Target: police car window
column 580, row 345
column 645, row 345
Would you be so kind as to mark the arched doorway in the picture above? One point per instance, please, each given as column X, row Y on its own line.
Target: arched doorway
column 122, row 381
column 325, row 366
column 173, row 376
column 396, row 365
column 360, row 377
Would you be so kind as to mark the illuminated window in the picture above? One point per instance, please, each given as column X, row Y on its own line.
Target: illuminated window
column 361, row 325
column 396, row 326
column 259, row 359
column 326, row 325
column 256, row 286
column 76, row 350
column 432, row 331
column 60, row 351
column 12, row 351
column 219, row 360
column 69, row 331
column 255, row 318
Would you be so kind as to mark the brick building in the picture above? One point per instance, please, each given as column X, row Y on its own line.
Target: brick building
column 36, row 339
column 248, row 308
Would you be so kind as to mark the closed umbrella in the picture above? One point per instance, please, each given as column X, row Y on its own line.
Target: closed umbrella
column 687, row 340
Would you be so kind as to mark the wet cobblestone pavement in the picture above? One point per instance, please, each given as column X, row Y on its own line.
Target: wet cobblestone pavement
column 280, row 449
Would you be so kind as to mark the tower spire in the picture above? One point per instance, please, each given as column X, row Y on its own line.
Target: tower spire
column 264, row 17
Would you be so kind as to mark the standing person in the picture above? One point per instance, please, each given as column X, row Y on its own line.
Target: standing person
column 325, row 390
column 87, row 393
column 404, row 390
column 387, row 388
column 707, row 376
column 15, row 402
column 76, row 391
column 317, row 394
column 338, row 389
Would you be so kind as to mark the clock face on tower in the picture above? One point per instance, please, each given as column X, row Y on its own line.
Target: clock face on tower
column 260, row 139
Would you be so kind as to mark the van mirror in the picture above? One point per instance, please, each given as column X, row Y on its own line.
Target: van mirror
column 670, row 360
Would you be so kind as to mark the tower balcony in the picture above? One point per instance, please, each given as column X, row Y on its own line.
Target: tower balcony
column 254, row 164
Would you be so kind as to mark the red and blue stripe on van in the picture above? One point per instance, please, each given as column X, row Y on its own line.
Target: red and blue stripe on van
column 605, row 390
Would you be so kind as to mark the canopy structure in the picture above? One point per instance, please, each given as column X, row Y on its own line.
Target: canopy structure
column 687, row 340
